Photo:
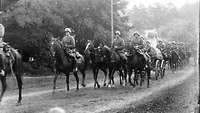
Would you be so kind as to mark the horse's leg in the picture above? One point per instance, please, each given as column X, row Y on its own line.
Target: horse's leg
column 4, row 86
column 67, row 80
column 120, row 76
column 83, row 79
column 148, row 72
column 77, row 79
column 105, row 74
column 136, row 77
column 110, row 76
column 54, row 82
column 141, row 77
column 97, row 71
column 19, row 83
column 125, row 74
column 129, row 76
column 94, row 76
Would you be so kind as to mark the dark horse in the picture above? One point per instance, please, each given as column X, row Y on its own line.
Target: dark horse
column 98, row 62
column 104, row 58
column 138, row 63
column 64, row 64
column 116, row 64
column 17, row 71
column 174, row 60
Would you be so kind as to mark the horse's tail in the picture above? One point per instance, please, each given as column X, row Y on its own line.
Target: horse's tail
column 18, row 65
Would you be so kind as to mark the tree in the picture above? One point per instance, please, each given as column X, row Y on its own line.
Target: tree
column 30, row 22
column 171, row 23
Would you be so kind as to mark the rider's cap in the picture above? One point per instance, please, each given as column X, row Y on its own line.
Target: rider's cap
column 68, row 30
column 136, row 33
column 173, row 42
column 117, row 32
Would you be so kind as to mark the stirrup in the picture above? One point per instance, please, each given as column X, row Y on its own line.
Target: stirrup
column 2, row 72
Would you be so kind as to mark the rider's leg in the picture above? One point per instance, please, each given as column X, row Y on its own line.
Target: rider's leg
column 75, row 68
column 123, row 57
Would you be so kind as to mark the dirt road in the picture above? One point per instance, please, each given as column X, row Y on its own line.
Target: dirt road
column 182, row 98
column 39, row 99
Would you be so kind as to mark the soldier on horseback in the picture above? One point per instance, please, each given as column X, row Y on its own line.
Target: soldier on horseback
column 6, row 49
column 139, row 44
column 118, row 46
column 160, row 45
column 69, row 47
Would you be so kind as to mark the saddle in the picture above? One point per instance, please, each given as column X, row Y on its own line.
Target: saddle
column 74, row 55
column 142, row 52
column 119, row 55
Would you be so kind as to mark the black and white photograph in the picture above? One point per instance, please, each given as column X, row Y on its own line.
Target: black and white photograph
column 99, row 56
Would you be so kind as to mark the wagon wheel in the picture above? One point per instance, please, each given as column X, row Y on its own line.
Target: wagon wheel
column 163, row 64
column 157, row 69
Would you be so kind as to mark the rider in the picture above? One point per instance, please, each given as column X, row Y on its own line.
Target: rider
column 69, row 46
column 139, row 43
column 160, row 45
column 6, row 49
column 118, row 45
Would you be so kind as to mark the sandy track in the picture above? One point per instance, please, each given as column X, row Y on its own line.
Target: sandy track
column 88, row 100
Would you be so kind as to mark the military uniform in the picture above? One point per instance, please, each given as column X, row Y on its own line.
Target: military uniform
column 142, row 47
column 118, row 45
column 68, row 42
column 160, row 46
column 69, row 46
column 138, row 41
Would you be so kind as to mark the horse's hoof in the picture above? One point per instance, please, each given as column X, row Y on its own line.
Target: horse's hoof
column 125, row 84
column 98, row 86
column 113, row 85
column 83, row 85
column 18, row 104
column 109, row 86
column 104, row 84
column 133, row 86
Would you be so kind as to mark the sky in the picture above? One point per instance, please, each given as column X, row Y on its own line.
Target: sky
column 177, row 3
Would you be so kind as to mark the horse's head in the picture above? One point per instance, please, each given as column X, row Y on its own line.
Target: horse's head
column 55, row 43
column 132, row 50
column 89, row 48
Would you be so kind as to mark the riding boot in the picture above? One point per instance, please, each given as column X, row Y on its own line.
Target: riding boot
column 75, row 69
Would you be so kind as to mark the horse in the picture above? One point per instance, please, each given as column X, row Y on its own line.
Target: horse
column 64, row 64
column 166, row 59
column 174, row 60
column 104, row 58
column 17, row 71
column 115, row 64
column 182, row 59
column 97, row 60
column 139, row 64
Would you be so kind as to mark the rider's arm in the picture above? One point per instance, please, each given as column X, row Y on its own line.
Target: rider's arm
column 121, row 44
column 72, row 43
